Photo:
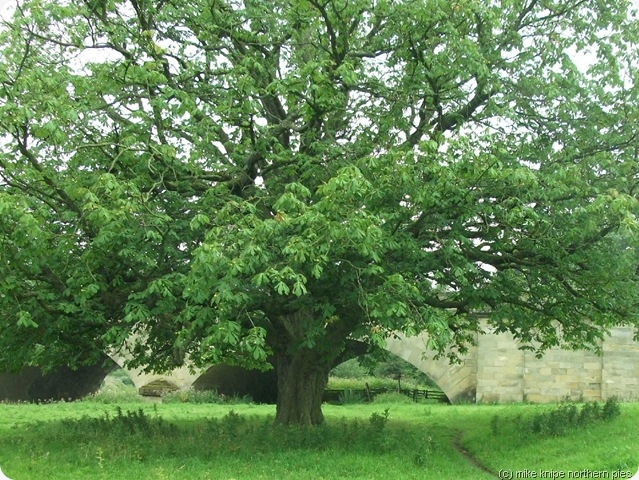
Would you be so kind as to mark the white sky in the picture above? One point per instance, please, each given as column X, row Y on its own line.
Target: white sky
column 7, row 5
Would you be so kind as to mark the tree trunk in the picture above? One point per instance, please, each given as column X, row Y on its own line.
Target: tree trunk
column 301, row 381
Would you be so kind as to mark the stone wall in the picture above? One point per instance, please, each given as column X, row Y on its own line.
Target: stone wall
column 500, row 369
column 620, row 366
column 507, row 374
column 497, row 371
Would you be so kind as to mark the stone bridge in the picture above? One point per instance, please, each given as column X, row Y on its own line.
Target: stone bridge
column 494, row 370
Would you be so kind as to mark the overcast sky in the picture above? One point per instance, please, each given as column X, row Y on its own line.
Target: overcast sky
column 5, row 5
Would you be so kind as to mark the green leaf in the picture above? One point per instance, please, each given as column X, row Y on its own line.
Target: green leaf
column 25, row 320
column 299, row 289
column 282, row 288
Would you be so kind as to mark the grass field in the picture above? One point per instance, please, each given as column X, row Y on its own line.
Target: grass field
column 124, row 441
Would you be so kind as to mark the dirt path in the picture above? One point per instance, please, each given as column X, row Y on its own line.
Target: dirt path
column 463, row 452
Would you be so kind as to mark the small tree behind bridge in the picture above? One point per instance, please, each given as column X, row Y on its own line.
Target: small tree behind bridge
column 235, row 181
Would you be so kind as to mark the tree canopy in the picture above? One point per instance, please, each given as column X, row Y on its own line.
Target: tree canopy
column 247, row 182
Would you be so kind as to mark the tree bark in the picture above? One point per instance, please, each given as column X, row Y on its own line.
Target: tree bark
column 301, row 381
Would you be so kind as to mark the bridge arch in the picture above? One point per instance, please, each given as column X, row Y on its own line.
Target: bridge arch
column 31, row 384
column 457, row 381
column 181, row 378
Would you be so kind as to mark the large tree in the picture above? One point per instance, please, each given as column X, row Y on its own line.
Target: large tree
column 246, row 181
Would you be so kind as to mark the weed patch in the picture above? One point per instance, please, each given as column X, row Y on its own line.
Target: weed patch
column 564, row 418
column 205, row 396
column 131, row 422
column 350, row 397
column 378, row 421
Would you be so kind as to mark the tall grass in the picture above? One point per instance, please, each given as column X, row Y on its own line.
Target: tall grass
column 338, row 383
column 87, row 440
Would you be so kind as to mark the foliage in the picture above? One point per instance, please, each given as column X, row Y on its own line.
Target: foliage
column 117, row 387
column 243, row 180
column 372, row 382
column 114, row 395
column 611, row 409
column 403, row 372
column 350, row 369
column 562, row 419
column 388, row 366
column 228, row 427
column 348, row 397
column 203, row 396
column 131, row 422
column 120, row 375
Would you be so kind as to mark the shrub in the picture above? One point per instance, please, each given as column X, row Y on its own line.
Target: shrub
column 350, row 369
column 611, row 409
column 378, row 421
column 567, row 416
column 204, row 396
column 117, row 387
column 135, row 422
column 120, row 375
column 590, row 412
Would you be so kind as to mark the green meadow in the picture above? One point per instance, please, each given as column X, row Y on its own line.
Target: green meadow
column 389, row 438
